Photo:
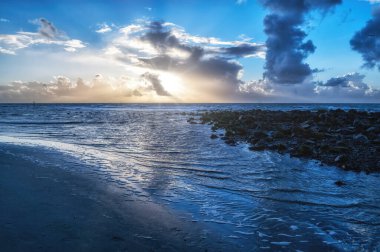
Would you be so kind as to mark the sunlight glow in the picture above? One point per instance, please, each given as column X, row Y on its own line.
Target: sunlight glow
column 172, row 83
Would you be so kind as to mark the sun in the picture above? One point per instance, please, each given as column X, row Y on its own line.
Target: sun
column 172, row 83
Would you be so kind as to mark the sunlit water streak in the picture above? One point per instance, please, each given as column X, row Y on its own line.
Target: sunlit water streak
column 260, row 199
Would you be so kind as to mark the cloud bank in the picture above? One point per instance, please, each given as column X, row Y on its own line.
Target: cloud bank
column 349, row 86
column 158, row 61
column 98, row 89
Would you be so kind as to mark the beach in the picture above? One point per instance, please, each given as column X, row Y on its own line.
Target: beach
column 45, row 208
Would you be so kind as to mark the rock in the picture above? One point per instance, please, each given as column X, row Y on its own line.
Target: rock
column 322, row 116
column 191, row 120
column 347, row 139
column 305, row 150
column 228, row 133
column 345, row 131
column 213, row 136
column 241, row 131
column 372, row 129
column 230, row 141
column 360, row 138
column 305, row 125
column 340, row 183
column 260, row 134
column 281, row 147
column 324, row 148
column 257, row 147
column 310, row 142
column 341, row 159
column 360, row 124
column 336, row 149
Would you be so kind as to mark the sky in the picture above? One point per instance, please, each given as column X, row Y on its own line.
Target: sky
column 190, row 51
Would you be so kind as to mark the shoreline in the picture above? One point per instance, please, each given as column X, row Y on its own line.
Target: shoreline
column 48, row 208
column 346, row 139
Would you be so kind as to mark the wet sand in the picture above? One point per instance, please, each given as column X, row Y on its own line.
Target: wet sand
column 45, row 208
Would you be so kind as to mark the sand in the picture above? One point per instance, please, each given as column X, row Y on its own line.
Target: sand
column 45, row 208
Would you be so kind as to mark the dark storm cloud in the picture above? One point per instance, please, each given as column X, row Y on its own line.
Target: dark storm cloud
column 47, row 29
column 161, row 62
column 154, row 80
column 367, row 41
column 160, row 37
column 222, row 68
column 286, row 49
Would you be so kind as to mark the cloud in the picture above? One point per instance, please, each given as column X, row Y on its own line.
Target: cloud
column 286, row 48
column 244, row 50
column 161, row 62
column 47, row 35
column 367, row 41
column 344, row 81
column 4, row 20
column 103, row 28
column 47, row 29
column 373, row 1
column 100, row 88
column 154, row 80
column 206, row 63
column 349, row 86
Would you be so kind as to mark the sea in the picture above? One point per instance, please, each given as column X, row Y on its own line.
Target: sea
column 258, row 200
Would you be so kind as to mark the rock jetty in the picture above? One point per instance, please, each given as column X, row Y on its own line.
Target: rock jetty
column 346, row 139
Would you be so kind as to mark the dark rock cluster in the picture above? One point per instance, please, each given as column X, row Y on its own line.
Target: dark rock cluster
column 347, row 139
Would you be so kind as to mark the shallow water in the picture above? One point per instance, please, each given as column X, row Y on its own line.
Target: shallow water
column 257, row 199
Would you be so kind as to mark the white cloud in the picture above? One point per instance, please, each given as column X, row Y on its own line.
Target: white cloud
column 47, row 35
column 99, row 88
column 103, row 28
column 346, row 88
column 4, row 20
column 6, row 51
column 350, row 85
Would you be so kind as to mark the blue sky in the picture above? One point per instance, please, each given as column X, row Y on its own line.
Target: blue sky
column 76, row 48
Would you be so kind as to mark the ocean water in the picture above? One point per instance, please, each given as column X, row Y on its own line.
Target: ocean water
column 258, row 200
